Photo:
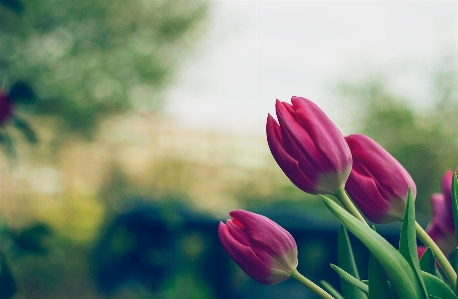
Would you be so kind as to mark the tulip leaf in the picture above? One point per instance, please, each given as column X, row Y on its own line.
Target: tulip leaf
column 330, row 289
column 428, row 263
column 351, row 279
column 436, row 287
column 455, row 216
column 408, row 239
column 404, row 282
column 378, row 282
column 347, row 263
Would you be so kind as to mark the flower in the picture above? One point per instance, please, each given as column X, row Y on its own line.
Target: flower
column 442, row 227
column 261, row 247
column 308, row 147
column 378, row 183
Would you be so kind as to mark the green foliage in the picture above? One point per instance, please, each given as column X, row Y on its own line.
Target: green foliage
column 347, row 263
column 428, row 263
column 89, row 59
column 404, row 281
column 390, row 271
column 410, row 136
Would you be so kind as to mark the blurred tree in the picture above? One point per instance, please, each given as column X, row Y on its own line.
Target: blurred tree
column 89, row 59
column 419, row 141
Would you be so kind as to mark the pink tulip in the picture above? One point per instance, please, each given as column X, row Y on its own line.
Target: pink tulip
column 442, row 227
column 378, row 183
column 308, row 147
column 261, row 247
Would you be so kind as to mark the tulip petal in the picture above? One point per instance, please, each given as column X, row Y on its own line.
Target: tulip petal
column 244, row 256
column 287, row 163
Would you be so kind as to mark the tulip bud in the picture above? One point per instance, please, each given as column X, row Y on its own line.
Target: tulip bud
column 6, row 108
column 308, row 147
column 261, row 247
column 378, row 183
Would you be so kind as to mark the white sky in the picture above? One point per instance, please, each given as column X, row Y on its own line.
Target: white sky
column 257, row 51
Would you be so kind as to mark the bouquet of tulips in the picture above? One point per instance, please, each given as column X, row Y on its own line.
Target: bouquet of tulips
column 361, row 177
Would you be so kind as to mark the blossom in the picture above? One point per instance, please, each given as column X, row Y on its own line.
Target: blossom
column 378, row 183
column 261, row 247
column 308, row 147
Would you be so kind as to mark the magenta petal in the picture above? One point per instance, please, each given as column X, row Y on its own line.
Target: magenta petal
column 308, row 147
column 244, row 256
column 378, row 183
column 287, row 163
column 262, row 248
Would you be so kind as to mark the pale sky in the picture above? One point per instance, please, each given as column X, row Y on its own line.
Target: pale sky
column 257, row 51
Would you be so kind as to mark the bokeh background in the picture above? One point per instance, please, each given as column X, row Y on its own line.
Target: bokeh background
column 139, row 124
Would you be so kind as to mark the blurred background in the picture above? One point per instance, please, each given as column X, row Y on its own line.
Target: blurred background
column 129, row 129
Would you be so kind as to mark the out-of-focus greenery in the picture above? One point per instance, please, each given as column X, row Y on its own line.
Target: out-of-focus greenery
column 425, row 142
column 89, row 59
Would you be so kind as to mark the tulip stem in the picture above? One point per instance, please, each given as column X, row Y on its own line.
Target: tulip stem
column 438, row 254
column 349, row 206
column 309, row 284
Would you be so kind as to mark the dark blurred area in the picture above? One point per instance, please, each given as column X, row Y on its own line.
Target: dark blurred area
column 103, row 196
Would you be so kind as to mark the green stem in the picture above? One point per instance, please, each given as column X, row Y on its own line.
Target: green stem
column 349, row 206
column 309, row 284
column 438, row 254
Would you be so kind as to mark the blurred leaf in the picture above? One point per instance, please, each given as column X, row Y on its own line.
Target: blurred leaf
column 8, row 146
column 347, row 263
column 33, row 239
column 94, row 59
column 25, row 129
column 7, row 283
column 14, row 5
column 22, row 93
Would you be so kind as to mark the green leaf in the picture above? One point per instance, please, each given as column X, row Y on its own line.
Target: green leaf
column 330, row 289
column 436, row 287
column 25, row 129
column 403, row 279
column 428, row 263
column 408, row 239
column 347, row 263
column 378, row 281
column 22, row 93
column 455, row 215
column 7, row 283
column 350, row 279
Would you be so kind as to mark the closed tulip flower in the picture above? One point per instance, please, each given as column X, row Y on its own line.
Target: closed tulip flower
column 378, row 183
column 261, row 247
column 442, row 227
column 308, row 147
